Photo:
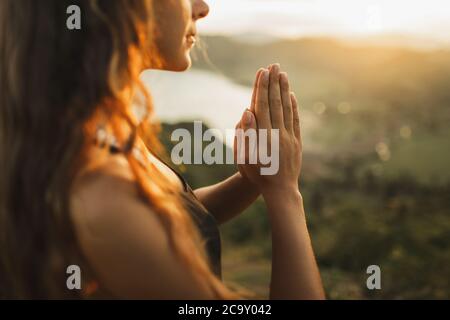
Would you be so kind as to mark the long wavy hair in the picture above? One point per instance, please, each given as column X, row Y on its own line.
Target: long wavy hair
column 56, row 86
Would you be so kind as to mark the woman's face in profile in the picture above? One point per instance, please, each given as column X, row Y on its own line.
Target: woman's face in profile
column 175, row 28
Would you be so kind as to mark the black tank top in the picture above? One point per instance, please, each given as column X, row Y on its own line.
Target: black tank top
column 203, row 219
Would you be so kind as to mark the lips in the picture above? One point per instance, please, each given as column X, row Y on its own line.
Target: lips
column 191, row 39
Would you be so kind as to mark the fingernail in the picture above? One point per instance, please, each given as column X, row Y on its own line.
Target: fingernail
column 275, row 69
column 248, row 118
column 266, row 75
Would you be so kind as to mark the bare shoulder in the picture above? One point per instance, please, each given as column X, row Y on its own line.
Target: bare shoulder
column 124, row 240
column 100, row 191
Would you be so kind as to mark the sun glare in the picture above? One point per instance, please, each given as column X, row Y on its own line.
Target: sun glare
column 330, row 17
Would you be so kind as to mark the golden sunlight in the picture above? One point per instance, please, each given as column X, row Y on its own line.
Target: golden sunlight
column 344, row 18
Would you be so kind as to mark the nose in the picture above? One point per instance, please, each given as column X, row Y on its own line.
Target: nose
column 200, row 9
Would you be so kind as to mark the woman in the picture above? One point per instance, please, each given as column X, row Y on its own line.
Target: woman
column 81, row 182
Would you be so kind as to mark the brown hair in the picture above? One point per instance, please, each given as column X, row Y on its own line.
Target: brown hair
column 55, row 86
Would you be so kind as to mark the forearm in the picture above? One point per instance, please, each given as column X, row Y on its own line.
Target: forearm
column 228, row 198
column 295, row 274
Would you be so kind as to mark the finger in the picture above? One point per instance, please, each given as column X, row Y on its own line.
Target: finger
column 276, row 112
column 248, row 120
column 262, row 102
column 236, row 145
column 255, row 89
column 286, row 99
column 249, row 125
column 296, row 116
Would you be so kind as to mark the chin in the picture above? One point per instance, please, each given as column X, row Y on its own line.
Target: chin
column 179, row 65
column 182, row 64
column 175, row 63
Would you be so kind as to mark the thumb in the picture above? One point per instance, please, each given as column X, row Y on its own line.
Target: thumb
column 248, row 120
column 235, row 144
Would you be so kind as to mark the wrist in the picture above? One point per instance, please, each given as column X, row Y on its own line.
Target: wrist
column 280, row 191
column 289, row 201
column 283, row 195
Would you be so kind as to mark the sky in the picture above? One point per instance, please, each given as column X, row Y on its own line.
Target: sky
column 343, row 18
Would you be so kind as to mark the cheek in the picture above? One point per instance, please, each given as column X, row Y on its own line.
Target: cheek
column 174, row 53
column 171, row 28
